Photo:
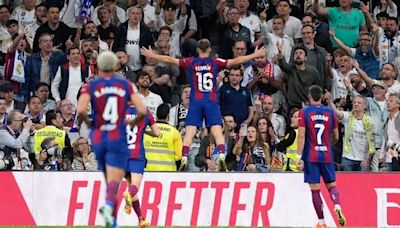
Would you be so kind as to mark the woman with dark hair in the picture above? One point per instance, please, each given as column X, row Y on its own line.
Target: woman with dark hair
column 252, row 153
column 387, row 6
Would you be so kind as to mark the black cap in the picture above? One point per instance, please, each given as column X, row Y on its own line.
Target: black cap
column 6, row 87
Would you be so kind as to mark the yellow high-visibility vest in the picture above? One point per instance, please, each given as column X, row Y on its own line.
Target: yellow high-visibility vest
column 46, row 132
column 162, row 152
column 291, row 155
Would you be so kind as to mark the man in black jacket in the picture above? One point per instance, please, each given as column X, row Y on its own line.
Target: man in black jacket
column 133, row 35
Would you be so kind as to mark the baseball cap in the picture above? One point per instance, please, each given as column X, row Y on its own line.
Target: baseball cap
column 380, row 84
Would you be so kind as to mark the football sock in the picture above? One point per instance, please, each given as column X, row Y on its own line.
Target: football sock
column 136, row 207
column 132, row 190
column 317, row 201
column 221, row 148
column 334, row 193
column 185, row 151
column 111, row 193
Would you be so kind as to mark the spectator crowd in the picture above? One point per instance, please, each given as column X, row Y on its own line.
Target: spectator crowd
column 351, row 48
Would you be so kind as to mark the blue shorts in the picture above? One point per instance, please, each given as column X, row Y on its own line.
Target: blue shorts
column 115, row 154
column 136, row 165
column 313, row 172
column 199, row 110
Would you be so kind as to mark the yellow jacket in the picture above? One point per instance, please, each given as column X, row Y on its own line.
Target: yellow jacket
column 291, row 155
column 46, row 132
column 162, row 152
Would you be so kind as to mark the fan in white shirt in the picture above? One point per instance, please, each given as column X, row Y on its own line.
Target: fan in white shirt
column 150, row 100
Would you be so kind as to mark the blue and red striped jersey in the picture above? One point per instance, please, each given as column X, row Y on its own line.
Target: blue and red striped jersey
column 109, row 99
column 203, row 76
column 319, row 122
column 135, row 135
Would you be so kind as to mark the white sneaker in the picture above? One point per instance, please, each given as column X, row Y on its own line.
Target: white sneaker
column 106, row 211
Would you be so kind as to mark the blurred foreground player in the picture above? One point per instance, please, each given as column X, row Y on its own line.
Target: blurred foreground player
column 109, row 96
column 202, row 73
column 316, row 125
column 137, row 160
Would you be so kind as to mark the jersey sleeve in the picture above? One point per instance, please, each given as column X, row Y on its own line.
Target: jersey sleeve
column 85, row 89
column 221, row 63
column 152, row 121
column 185, row 63
column 302, row 121
column 335, row 121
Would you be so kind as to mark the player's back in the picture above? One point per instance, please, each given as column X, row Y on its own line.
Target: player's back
column 203, row 74
column 319, row 122
column 135, row 135
column 109, row 100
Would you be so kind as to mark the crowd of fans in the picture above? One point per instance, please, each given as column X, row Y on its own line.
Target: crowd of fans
column 350, row 48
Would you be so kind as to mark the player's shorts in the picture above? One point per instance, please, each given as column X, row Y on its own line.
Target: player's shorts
column 115, row 154
column 199, row 110
column 313, row 172
column 137, row 165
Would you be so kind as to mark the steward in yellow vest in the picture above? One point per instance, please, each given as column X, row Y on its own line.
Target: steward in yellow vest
column 162, row 152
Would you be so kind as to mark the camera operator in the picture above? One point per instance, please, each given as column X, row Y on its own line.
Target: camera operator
column 53, row 128
column 13, row 136
column 51, row 156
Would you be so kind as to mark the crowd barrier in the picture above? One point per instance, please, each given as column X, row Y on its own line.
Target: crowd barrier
column 198, row 199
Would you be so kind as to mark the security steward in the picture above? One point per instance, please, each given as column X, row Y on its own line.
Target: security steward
column 162, row 152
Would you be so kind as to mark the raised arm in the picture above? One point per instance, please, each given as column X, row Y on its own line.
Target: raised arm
column 318, row 9
column 140, row 108
column 369, row 81
column 338, row 113
column 340, row 43
column 161, row 58
column 243, row 59
column 375, row 43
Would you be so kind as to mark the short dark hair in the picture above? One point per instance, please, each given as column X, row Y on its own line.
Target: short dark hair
column 236, row 67
column 203, row 44
column 73, row 48
column 279, row 17
column 11, row 22
column 50, row 116
column 42, row 84
column 315, row 92
column 230, row 114
column 393, row 19
column 40, row 5
column 287, row 1
column 313, row 17
column 162, row 111
column 32, row 97
column 5, row 6
column 143, row 74
column 300, row 48
column 382, row 14
column 305, row 26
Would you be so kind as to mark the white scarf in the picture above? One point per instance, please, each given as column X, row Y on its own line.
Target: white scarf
column 18, row 73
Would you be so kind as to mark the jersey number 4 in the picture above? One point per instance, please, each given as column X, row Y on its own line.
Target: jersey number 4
column 110, row 112
column 320, row 131
column 205, row 81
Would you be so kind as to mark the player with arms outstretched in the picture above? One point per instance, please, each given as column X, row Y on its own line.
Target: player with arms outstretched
column 109, row 96
column 137, row 161
column 317, row 133
column 202, row 73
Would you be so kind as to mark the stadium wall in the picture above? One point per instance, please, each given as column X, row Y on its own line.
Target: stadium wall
column 198, row 199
